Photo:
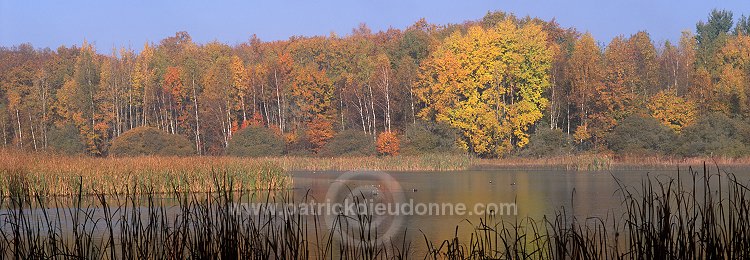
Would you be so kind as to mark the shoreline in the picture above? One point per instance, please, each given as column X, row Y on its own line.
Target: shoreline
column 11, row 160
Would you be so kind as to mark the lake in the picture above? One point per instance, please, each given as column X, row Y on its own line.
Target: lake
column 536, row 193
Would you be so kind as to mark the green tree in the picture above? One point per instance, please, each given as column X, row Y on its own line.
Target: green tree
column 427, row 137
column 711, row 35
column 548, row 142
column 255, row 141
column 149, row 141
column 65, row 139
column 641, row 135
column 714, row 134
column 349, row 142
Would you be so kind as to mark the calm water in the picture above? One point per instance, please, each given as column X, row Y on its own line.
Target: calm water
column 536, row 193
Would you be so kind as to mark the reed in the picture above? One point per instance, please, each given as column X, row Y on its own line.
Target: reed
column 426, row 162
column 58, row 175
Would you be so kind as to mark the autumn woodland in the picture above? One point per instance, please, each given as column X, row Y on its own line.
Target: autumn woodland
column 164, row 150
column 494, row 87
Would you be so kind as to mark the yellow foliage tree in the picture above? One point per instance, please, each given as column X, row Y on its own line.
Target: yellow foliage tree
column 488, row 83
column 672, row 110
column 734, row 76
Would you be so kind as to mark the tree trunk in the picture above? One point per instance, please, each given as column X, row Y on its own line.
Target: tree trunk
column 361, row 114
column 44, row 113
column 33, row 137
column 265, row 104
column 229, row 122
column 130, row 108
column 144, row 108
column 372, row 108
column 567, row 114
column 197, row 122
column 411, row 99
column 278, row 102
column 341, row 108
column 20, row 134
column 387, row 100
column 5, row 134
column 244, row 113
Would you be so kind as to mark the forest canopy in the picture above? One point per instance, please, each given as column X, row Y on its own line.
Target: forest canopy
column 493, row 84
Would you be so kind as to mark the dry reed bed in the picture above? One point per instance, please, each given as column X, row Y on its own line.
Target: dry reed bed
column 61, row 175
column 597, row 162
column 428, row 162
column 64, row 175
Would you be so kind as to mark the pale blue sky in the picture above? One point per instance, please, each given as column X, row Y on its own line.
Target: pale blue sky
column 131, row 23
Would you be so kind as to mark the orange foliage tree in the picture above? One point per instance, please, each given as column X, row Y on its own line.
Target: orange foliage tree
column 318, row 132
column 387, row 144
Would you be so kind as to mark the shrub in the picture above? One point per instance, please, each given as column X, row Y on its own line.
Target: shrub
column 715, row 135
column 150, row 141
column 428, row 137
column 255, row 141
column 641, row 135
column 301, row 146
column 349, row 142
column 318, row 132
column 387, row 144
column 65, row 139
column 548, row 142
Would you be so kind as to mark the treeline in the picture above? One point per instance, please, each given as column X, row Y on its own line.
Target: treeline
column 500, row 85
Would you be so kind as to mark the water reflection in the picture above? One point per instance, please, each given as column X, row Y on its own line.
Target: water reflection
column 536, row 193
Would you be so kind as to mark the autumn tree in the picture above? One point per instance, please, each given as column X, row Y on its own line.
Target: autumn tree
column 733, row 85
column 387, row 144
column 672, row 110
column 240, row 84
column 676, row 64
column 618, row 91
column 489, row 84
column 319, row 131
column 312, row 92
column 176, row 98
column 559, row 109
column 585, row 73
column 79, row 98
column 22, row 85
column 217, row 109
column 645, row 59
